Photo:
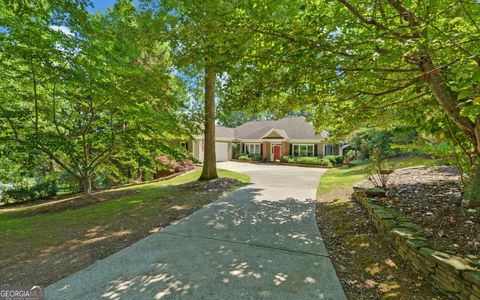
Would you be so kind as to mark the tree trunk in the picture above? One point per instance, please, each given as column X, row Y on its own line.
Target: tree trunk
column 209, row 161
column 471, row 197
column 447, row 99
column 87, row 185
column 140, row 176
column 448, row 102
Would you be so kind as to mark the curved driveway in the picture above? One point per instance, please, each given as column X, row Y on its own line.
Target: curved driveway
column 259, row 242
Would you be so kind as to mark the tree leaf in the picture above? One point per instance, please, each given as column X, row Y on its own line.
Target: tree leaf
column 476, row 76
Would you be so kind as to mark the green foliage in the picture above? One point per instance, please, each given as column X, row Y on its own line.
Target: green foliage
column 351, row 63
column 250, row 157
column 28, row 191
column 346, row 176
column 307, row 160
column 365, row 139
column 334, row 159
column 358, row 162
column 237, row 118
column 93, row 93
column 438, row 149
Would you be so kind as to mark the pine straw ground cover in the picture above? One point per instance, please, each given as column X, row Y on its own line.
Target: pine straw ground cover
column 366, row 265
column 43, row 243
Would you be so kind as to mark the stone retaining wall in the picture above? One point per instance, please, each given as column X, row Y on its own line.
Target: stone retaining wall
column 458, row 277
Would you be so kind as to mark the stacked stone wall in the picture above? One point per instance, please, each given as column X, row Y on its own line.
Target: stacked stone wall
column 458, row 277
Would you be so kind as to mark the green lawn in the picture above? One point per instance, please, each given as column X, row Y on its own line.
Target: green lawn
column 146, row 196
column 30, row 236
column 343, row 177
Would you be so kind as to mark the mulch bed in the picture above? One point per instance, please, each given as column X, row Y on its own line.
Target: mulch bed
column 216, row 185
column 432, row 198
column 366, row 265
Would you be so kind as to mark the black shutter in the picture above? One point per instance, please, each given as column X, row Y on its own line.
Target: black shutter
column 261, row 149
column 290, row 152
column 315, row 152
column 243, row 148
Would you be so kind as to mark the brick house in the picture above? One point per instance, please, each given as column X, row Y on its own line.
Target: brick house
column 270, row 139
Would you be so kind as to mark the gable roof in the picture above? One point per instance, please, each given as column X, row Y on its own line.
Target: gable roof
column 275, row 133
column 294, row 128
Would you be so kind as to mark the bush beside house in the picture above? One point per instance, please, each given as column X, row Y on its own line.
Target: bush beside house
column 250, row 157
column 326, row 161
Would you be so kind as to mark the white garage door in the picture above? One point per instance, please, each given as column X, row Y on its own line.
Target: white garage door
column 221, row 151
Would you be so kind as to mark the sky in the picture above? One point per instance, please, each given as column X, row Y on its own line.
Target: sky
column 101, row 5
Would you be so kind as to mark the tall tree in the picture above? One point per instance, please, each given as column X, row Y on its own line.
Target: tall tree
column 209, row 170
column 78, row 87
column 352, row 61
column 205, row 46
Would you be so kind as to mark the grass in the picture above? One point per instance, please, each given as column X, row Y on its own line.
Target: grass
column 143, row 189
column 344, row 177
column 129, row 214
column 146, row 197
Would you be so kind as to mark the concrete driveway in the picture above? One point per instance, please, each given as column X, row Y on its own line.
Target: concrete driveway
column 259, row 242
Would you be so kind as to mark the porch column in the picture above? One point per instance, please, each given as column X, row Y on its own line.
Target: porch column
column 266, row 151
column 285, row 149
column 320, row 150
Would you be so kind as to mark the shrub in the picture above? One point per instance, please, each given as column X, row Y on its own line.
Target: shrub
column 250, row 157
column 310, row 160
column 334, row 159
column 306, row 160
column 175, row 166
column 26, row 192
column 377, row 174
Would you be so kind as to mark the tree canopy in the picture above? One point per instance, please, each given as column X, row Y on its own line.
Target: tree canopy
column 355, row 62
column 86, row 92
column 78, row 86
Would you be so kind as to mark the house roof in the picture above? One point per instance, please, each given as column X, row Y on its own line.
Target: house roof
column 295, row 128
column 224, row 132
column 275, row 133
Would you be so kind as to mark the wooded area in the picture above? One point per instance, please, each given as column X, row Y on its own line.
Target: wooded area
column 88, row 96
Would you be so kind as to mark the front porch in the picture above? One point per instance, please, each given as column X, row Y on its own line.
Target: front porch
column 273, row 151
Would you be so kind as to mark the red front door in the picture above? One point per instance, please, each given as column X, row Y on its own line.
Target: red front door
column 276, row 153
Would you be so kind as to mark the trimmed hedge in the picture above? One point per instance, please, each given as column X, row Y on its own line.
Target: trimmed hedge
column 327, row 161
column 304, row 160
column 250, row 157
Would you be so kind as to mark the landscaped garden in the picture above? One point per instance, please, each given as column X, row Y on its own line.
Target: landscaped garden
column 367, row 266
column 423, row 191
